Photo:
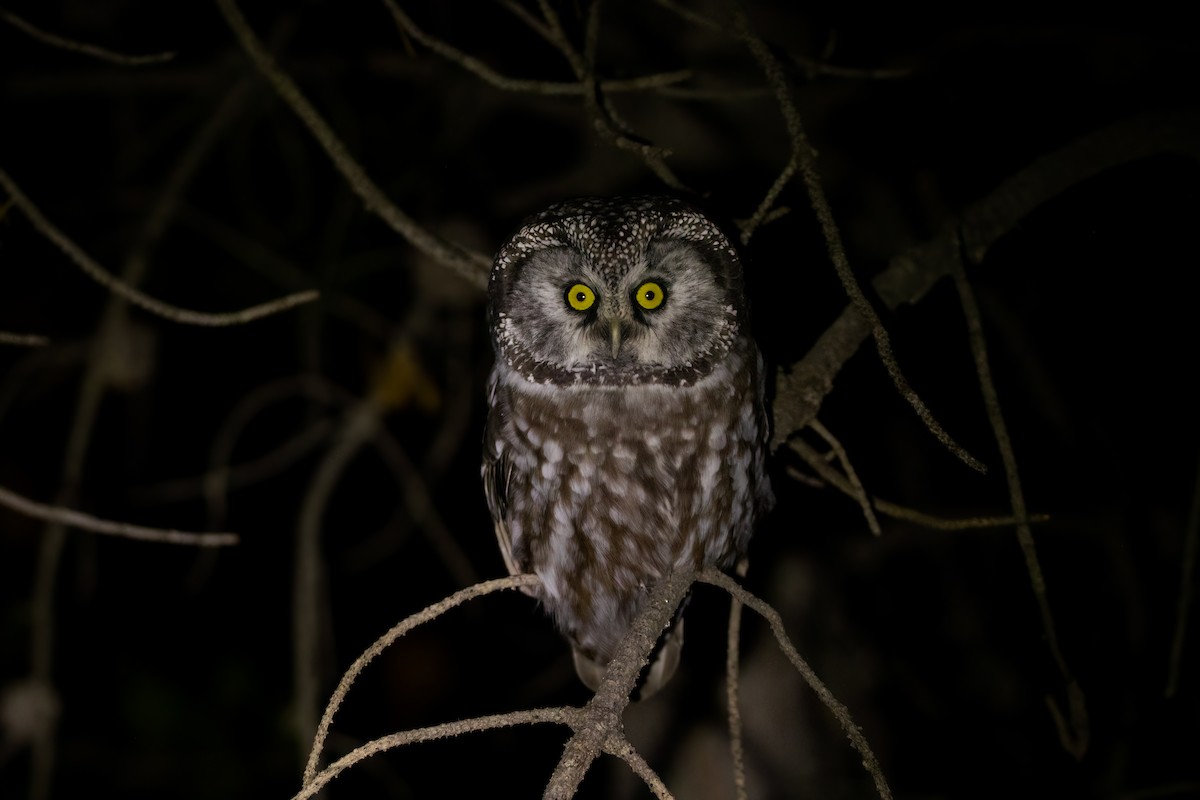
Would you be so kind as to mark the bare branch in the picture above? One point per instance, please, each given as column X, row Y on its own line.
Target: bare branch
column 779, row 85
column 733, row 635
column 560, row 716
column 619, row 746
column 84, row 48
column 1187, row 571
column 805, row 158
column 505, row 83
column 77, row 519
column 1074, row 736
column 124, row 290
column 420, row 618
column 834, row 478
column 602, row 715
column 356, row 427
column 870, row 763
column 419, row 501
column 470, row 265
column 23, row 339
column 803, row 387
column 812, row 67
column 858, row 492
column 219, row 474
column 216, row 482
column 606, row 123
column 526, row 16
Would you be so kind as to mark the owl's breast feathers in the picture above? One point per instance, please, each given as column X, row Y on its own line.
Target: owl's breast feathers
column 601, row 490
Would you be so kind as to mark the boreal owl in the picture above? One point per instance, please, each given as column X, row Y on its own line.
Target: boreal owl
column 626, row 432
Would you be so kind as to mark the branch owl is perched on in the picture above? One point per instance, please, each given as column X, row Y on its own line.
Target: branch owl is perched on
column 626, row 431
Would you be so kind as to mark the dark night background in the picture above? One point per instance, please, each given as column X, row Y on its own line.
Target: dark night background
column 173, row 665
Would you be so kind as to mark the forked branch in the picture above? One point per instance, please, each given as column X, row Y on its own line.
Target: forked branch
column 870, row 763
column 602, row 714
column 804, row 157
column 404, row 626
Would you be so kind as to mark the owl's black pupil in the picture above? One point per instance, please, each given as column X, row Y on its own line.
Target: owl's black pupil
column 649, row 295
column 581, row 296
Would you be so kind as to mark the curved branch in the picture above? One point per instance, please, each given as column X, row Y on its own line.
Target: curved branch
column 507, row 84
column 23, row 339
column 1075, row 734
column 77, row 519
column 870, row 763
column 620, row 747
column 469, row 264
column 134, row 296
column 561, row 716
column 84, row 48
column 605, row 121
column 432, row 612
column 1187, row 569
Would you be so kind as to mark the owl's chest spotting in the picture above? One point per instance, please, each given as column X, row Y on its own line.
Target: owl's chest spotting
column 629, row 481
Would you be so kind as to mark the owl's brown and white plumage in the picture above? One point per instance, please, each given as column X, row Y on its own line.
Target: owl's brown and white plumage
column 626, row 430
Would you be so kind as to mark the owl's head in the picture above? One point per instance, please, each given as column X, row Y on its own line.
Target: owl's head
column 616, row 291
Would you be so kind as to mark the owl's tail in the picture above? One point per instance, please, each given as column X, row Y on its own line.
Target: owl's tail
column 664, row 660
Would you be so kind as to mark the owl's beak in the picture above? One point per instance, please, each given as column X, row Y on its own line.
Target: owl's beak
column 616, row 336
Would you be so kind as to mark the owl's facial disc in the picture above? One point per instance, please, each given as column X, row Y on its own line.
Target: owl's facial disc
column 616, row 295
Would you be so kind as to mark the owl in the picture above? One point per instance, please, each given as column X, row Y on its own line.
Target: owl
column 626, row 431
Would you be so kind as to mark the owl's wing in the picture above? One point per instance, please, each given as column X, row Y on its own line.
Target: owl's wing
column 497, row 479
column 766, row 423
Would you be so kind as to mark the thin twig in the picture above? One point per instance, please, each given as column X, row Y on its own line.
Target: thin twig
column 833, row 239
column 423, row 511
column 470, row 265
column 420, row 618
column 698, row 93
column 619, row 746
column 1187, row 571
column 834, row 478
column 527, row 16
column 1073, row 734
column 779, row 85
column 560, row 716
column 870, row 763
column 128, row 292
column 606, row 124
column 812, row 67
column 23, row 339
column 246, row 473
column 505, row 83
column 269, row 263
column 308, row 588
column 737, row 750
column 219, row 476
column 77, row 519
column 84, row 48
column 858, row 492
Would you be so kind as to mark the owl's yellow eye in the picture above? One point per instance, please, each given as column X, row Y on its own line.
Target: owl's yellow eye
column 580, row 296
column 650, row 295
